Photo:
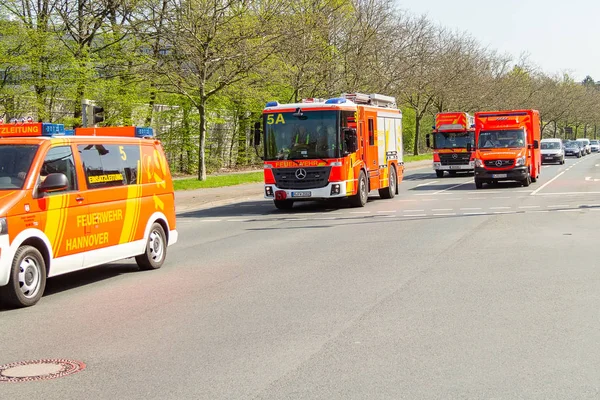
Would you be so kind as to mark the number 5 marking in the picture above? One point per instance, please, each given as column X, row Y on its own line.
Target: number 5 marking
column 123, row 154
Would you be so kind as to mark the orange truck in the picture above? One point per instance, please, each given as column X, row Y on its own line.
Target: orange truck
column 452, row 134
column 507, row 146
column 69, row 202
column 342, row 147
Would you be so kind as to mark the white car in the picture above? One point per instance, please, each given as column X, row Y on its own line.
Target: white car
column 595, row 145
column 585, row 145
column 552, row 151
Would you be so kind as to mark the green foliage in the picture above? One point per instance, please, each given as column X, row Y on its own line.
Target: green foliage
column 218, row 181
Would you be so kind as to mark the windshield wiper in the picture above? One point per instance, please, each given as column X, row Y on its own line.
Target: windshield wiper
column 291, row 159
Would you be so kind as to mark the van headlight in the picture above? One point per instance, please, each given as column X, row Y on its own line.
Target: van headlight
column 478, row 163
column 3, row 226
column 520, row 162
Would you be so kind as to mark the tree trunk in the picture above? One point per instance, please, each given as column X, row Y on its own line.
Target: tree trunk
column 555, row 129
column 202, row 144
column 417, row 132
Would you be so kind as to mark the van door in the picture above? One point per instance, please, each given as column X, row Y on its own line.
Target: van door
column 65, row 212
column 111, row 172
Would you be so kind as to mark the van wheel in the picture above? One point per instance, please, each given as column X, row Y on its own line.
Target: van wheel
column 284, row 204
column 390, row 191
column 361, row 197
column 439, row 174
column 27, row 278
column 156, row 249
column 478, row 184
column 527, row 181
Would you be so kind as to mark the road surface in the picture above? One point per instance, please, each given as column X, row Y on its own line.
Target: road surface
column 444, row 292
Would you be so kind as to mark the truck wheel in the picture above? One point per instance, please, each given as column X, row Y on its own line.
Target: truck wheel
column 390, row 191
column 27, row 278
column 527, row 181
column 284, row 204
column 478, row 183
column 361, row 197
column 439, row 174
column 156, row 249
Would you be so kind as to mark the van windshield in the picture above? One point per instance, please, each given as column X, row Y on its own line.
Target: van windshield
column 550, row 145
column 15, row 162
column 502, row 139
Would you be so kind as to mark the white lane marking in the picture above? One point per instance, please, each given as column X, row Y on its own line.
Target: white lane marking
column 589, row 179
column 452, row 187
column 499, row 208
column 210, row 220
column 529, row 206
column 295, row 219
column 470, row 208
column 567, row 210
column 475, row 213
column 502, row 197
column 238, row 220
column 413, row 211
column 475, row 198
column 546, row 184
column 557, row 205
column 504, row 212
column 326, row 218
column 427, row 183
column 414, row 215
column 391, row 211
column 538, row 211
column 566, row 193
column 360, row 212
column 444, row 214
column 441, row 209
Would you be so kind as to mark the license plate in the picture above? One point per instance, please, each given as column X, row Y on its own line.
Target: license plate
column 301, row 194
column 455, row 167
column 499, row 175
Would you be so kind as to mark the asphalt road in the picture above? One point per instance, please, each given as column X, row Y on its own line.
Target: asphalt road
column 445, row 292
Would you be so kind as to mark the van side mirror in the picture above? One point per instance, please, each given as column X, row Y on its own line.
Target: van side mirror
column 55, row 182
column 257, row 133
column 536, row 144
column 428, row 140
column 350, row 140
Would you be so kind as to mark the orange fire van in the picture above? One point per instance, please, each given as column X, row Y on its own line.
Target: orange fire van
column 69, row 202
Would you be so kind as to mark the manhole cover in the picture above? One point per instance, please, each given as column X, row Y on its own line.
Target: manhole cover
column 39, row 370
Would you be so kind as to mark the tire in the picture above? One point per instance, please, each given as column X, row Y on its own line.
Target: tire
column 478, row 184
column 27, row 278
column 527, row 181
column 579, row 155
column 439, row 173
column 390, row 191
column 156, row 249
column 284, row 204
column 361, row 197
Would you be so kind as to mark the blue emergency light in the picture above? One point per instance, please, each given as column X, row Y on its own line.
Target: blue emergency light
column 336, row 100
column 143, row 131
column 272, row 104
column 52, row 129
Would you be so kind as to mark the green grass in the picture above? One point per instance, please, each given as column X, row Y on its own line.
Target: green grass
column 218, row 181
column 420, row 157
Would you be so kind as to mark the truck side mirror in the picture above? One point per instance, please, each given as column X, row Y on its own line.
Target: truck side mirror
column 257, row 133
column 469, row 148
column 350, row 139
column 428, row 140
column 536, row 144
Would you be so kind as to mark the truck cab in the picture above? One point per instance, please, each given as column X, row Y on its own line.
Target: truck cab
column 507, row 147
column 452, row 134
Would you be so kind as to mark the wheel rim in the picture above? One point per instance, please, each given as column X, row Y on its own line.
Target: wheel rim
column 393, row 182
column 363, row 191
column 156, row 246
column 30, row 277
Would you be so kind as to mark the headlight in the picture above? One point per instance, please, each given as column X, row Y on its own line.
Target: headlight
column 478, row 163
column 520, row 162
column 3, row 226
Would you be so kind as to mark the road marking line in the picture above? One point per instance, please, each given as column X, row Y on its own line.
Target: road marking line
column 475, row 213
column 475, row 198
column 427, row 183
column 452, row 187
column 504, row 212
column 325, row 218
column 444, row 214
column 414, row 215
column 529, row 206
column 566, row 193
column 546, row 184
column 499, row 208
column 570, row 210
column 295, row 219
column 391, row 211
column 497, row 198
column 359, row 212
column 558, row 205
column 441, row 209
column 210, row 220
column 471, row 208
column 238, row 220
column 413, row 211
column 538, row 211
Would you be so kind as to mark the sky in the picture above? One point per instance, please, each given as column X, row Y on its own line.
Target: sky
column 557, row 36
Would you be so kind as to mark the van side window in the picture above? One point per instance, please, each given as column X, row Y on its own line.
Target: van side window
column 108, row 165
column 371, row 133
column 60, row 160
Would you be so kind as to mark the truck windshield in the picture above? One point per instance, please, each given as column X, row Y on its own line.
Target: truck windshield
column 453, row 140
column 15, row 162
column 314, row 134
column 550, row 145
column 502, row 139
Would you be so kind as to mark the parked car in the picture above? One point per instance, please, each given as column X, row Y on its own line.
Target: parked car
column 573, row 149
column 595, row 145
column 553, row 151
column 586, row 145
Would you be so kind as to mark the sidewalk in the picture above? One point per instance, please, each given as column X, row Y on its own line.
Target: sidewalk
column 190, row 200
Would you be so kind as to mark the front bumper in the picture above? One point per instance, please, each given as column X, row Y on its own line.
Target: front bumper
column 5, row 260
column 572, row 153
column 308, row 194
column 513, row 174
column 552, row 157
column 461, row 167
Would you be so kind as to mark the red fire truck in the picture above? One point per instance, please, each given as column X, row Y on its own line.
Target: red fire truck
column 452, row 133
column 335, row 148
column 508, row 146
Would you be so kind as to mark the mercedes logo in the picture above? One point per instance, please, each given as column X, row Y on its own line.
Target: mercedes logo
column 300, row 173
column 455, row 156
column 499, row 163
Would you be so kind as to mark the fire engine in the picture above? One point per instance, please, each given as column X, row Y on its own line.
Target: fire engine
column 336, row 148
column 452, row 134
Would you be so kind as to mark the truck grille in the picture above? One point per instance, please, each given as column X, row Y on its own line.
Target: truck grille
column 455, row 158
column 499, row 163
column 291, row 178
